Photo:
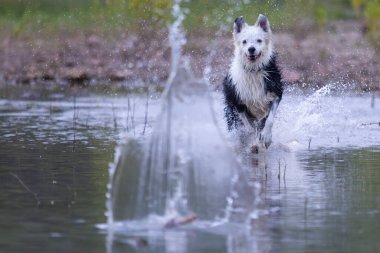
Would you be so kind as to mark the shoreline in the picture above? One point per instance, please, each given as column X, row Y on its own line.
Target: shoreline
column 340, row 55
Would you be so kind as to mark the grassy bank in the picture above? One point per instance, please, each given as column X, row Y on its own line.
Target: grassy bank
column 20, row 16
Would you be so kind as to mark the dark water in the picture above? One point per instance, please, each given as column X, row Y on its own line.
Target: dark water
column 54, row 156
column 54, row 164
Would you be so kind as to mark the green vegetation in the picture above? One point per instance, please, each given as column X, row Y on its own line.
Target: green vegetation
column 23, row 16
column 369, row 10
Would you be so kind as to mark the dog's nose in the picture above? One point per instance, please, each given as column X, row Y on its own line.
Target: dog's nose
column 251, row 50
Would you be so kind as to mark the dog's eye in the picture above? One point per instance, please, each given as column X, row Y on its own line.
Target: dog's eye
column 259, row 41
column 244, row 42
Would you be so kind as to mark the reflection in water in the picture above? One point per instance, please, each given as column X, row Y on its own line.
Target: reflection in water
column 323, row 199
column 45, row 188
column 51, row 195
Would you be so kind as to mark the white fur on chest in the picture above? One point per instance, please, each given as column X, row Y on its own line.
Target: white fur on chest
column 250, row 87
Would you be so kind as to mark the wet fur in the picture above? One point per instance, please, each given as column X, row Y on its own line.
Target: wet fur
column 253, row 89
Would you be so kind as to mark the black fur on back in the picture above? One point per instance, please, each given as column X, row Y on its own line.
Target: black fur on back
column 234, row 105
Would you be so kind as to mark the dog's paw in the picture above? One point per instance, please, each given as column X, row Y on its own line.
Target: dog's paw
column 266, row 138
column 267, row 142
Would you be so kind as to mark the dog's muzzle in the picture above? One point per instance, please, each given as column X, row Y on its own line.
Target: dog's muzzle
column 253, row 57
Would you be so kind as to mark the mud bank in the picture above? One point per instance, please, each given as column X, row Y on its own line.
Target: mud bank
column 341, row 54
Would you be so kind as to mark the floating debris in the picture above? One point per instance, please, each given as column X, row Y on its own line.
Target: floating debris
column 175, row 222
column 371, row 124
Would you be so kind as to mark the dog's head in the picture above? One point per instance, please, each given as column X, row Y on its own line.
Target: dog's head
column 253, row 43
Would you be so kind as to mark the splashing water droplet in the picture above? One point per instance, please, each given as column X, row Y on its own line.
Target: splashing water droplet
column 185, row 154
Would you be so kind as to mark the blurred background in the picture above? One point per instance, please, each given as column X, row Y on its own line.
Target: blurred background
column 107, row 41
column 21, row 15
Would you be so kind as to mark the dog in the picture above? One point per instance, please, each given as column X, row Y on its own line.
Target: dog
column 253, row 87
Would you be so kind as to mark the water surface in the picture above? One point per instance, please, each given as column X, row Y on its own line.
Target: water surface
column 317, row 189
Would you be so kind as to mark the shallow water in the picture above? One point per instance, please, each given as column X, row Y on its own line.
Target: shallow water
column 317, row 189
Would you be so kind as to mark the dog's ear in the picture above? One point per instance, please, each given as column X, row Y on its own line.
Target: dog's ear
column 239, row 24
column 263, row 22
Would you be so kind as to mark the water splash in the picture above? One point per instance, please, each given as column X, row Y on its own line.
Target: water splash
column 186, row 153
column 329, row 117
column 177, row 38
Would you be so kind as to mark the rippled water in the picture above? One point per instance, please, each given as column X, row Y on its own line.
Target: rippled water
column 54, row 156
column 317, row 189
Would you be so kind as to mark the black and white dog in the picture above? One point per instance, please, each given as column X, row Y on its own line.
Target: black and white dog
column 253, row 87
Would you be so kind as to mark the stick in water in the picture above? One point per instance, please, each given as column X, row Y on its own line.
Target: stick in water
column 172, row 223
column 370, row 124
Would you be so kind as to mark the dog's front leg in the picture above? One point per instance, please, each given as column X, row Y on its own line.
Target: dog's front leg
column 266, row 134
